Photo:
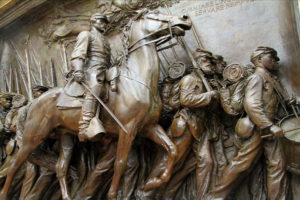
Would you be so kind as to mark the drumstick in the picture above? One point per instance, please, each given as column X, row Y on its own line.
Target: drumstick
column 269, row 135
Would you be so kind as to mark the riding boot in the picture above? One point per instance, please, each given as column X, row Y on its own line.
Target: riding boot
column 88, row 112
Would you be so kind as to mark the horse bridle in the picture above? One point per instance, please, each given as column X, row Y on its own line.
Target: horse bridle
column 159, row 40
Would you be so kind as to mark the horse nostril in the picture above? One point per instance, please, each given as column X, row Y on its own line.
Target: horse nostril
column 185, row 17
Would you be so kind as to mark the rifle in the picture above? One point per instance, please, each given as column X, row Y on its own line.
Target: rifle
column 194, row 63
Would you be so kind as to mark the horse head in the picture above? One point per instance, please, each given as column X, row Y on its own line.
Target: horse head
column 154, row 27
column 164, row 24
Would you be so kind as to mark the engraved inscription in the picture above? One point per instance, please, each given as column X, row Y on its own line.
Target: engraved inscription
column 211, row 6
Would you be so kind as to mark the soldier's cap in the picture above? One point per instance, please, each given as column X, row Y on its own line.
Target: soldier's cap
column 202, row 53
column 176, row 70
column 99, row 16
column 264, row 50
column 219, row 57
column 7, row 95
column 40, row 88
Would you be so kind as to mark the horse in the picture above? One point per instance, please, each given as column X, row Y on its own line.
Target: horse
column 137, row 105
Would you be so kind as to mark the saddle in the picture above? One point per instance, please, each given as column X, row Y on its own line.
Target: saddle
column 72, row 96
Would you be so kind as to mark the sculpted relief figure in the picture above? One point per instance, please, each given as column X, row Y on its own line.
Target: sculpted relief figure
column 193, row 156
column 261, row 105
column 188, row 130
column 137, row 103
column 92, row 52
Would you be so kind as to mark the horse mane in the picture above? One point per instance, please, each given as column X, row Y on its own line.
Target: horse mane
column 126, row 31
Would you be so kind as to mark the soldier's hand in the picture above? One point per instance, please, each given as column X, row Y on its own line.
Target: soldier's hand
column 79, row 76
column 215, row 94
column 214, row 83
column 276, row 131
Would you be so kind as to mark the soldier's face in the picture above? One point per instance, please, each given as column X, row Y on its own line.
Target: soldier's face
column 220, row 66
column 268, row 61
column 6, row 103
column 207, row 65
column 36, row 94
column 100, row 25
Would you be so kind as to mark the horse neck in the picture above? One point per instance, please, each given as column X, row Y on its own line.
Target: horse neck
column 143, row 63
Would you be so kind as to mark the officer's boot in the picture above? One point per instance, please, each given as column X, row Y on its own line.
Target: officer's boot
column 87, row 113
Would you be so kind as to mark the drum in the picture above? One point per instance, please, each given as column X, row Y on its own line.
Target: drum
column 291, row 142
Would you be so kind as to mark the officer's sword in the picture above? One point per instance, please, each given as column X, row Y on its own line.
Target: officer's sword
column 106, row 108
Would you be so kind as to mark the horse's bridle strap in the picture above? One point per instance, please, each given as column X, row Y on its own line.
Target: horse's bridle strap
column 149, row 42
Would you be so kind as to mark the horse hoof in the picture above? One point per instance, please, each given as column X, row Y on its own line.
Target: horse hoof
column 152, row 183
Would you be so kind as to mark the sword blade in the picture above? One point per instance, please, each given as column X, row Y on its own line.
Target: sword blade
column 106, row 108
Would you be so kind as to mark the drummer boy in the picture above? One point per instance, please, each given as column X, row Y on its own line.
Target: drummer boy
column 261, row 104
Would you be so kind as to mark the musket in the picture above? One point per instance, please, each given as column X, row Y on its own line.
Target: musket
column 106, row 108
column 30, row 96
column 2, row 79
column 41, row 74
column 194, row 63
column 162, row 67
column 165, row 57
column 6, row 81
column 19, row 58
column 65, row 59
column 53, row 77
column 22, row 77
column 37, row 62
column 17, row 81
column 10, row 79
column 196, row 34
column 270, row 135
column 170, row 43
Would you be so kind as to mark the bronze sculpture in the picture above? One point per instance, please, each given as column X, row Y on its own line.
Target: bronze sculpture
column 213, row 145
column 144, row 96
column 261, row 101
column 91, row 48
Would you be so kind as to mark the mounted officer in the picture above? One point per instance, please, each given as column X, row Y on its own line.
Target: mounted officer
column 92, row 52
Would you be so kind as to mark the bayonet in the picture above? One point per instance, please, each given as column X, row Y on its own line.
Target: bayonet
column 6, row 81
column 30, row 96
column 65, row 59
column 22, row 77
column 10, row 79
column 53, row 76
column 17, row 81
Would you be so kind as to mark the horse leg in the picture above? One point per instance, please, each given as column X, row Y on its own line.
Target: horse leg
column 65, row 154
column 15, row 164
column 123, row 149
column 157, row 134
column 34, row 134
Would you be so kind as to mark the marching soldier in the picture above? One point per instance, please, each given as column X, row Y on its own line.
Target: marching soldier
column 261, row 105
